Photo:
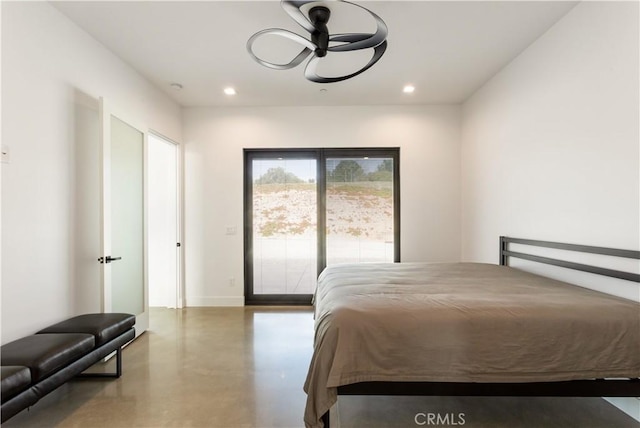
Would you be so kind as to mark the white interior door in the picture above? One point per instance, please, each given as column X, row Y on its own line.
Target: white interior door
column 163, row 230
column 124, row 222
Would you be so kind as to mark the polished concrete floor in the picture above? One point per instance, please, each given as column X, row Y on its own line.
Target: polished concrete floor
column 245, row 367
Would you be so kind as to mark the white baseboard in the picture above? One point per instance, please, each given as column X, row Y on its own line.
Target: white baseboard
column 215, row 301
column 629, row 405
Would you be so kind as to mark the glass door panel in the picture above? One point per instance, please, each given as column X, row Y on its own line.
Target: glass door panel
column 359, row 209
column 127, row 217
column 284, row 227
column 123, row 224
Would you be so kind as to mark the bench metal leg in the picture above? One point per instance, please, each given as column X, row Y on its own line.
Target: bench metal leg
column 117, row 374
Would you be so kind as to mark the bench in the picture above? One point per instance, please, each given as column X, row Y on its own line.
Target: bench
column 33, row 366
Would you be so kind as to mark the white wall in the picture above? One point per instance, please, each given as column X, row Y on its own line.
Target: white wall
column 52, row 73
column 550, row 145
column 428, row 138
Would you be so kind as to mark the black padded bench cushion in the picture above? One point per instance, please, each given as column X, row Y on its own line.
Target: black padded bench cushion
column 14, row 380
column 44, row 354
column 104, row 327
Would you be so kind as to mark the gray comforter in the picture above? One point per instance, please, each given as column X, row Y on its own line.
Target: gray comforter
column 462, row 322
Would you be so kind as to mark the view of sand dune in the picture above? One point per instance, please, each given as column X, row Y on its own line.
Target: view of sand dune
column 359, row 224
column 362, row 209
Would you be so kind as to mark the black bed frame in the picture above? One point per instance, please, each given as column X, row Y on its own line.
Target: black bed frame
column 574, row 388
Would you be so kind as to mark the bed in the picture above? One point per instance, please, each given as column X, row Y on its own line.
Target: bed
column 470, row 329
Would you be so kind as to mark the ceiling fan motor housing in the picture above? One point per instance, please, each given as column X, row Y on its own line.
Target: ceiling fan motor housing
column 319, row 17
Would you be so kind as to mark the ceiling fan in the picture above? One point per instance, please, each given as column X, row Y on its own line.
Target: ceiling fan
column 322, row 42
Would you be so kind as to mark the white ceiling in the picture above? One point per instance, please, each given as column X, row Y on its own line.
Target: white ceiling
column 447, row 49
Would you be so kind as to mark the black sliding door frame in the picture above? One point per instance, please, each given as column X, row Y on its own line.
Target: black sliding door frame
column 250, row 298
column 358, row 153
column 320, row 155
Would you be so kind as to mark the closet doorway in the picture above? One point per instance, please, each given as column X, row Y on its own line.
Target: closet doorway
column 164, row 222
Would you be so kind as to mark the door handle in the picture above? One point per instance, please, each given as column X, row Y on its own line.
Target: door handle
column 108, row 259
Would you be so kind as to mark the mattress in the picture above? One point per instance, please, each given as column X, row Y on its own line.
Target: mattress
column 462, row 322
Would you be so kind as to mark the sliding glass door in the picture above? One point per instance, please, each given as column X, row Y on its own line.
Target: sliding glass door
column 284, row 226
column 309, row 208
column 359, row 209
column 281, row 205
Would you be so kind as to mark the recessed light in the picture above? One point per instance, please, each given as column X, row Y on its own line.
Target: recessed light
column 409, row 89
column 176, row 86
column 230, row 91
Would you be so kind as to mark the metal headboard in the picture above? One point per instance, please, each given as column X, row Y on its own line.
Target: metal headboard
column 505, row 253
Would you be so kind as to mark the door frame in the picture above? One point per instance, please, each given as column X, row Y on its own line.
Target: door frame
column 249, row 155
column 386, row 152
column 106, row 304
column 179, row 294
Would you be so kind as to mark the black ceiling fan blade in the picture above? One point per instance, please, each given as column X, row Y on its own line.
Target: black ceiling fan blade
column 304, row 54
column 310, row 71
column 292, row 7
column 348, row 41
